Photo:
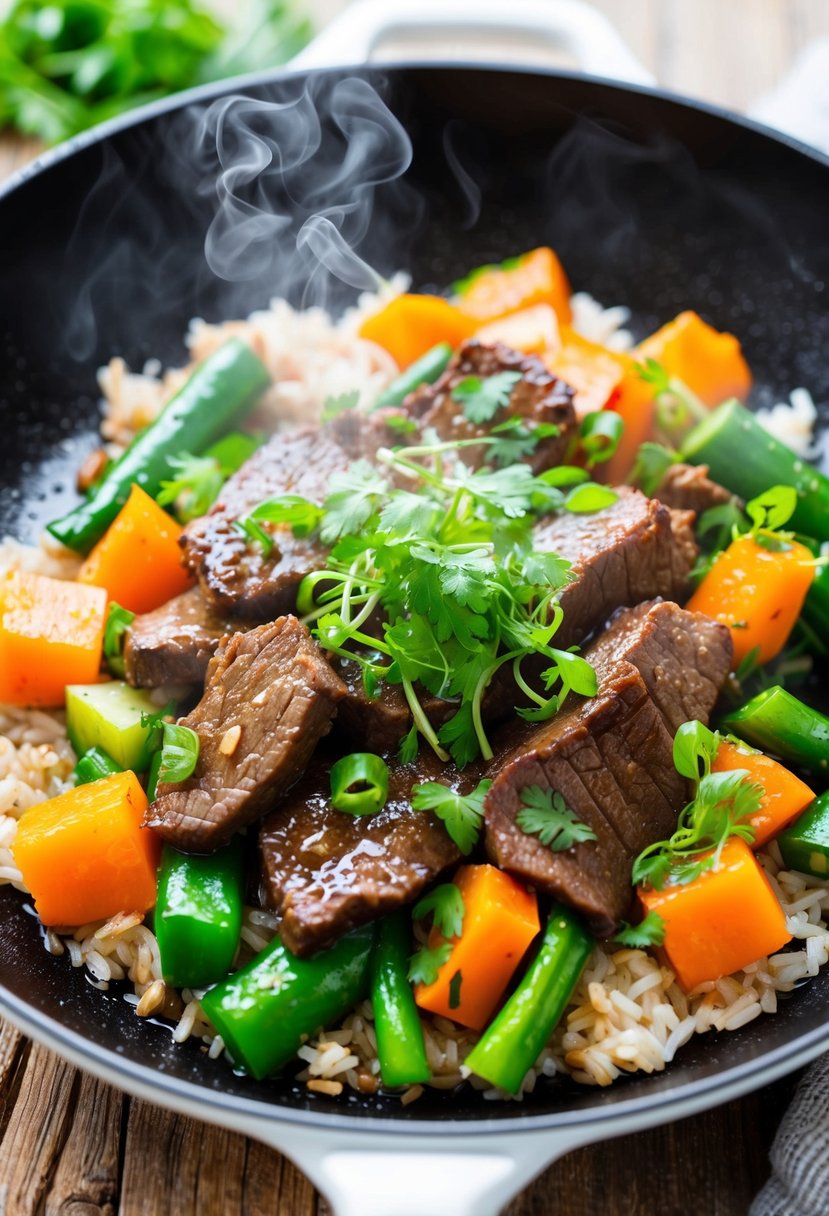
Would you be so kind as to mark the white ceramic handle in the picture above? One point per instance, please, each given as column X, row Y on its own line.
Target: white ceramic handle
column 799, row 105
column 585, row 34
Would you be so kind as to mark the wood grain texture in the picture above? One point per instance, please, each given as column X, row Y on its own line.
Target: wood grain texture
column 70, row 1146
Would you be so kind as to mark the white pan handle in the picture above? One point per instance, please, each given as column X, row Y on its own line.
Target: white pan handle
column 569, row 26
column 799, row 105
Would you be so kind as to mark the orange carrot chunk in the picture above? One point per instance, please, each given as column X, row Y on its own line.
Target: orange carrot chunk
column 758, row 593
column 725, row 919
column 138, row 559
column 410, row 325
column 533, row 278
column 784, row 795
column 51, row 633
column 500, row 920
column 592, row 370
column 634, row 402
column 84, row 855
column 533, row 331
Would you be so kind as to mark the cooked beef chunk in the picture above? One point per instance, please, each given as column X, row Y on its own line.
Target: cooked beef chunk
column 689, row 488
column 269, row 699
column 326, row 871
column 538, row 397
column 174, row 644
column 611, row 760
column 633, row 550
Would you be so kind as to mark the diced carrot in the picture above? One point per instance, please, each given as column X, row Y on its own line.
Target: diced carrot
column 51, row 634
column 635, row 403
column 711, row 363
column 723, row 920
column 593, row 371
column 784, row 795
column 536, row 277
column 138, row 559
column 533, row 331
column 410, row 325
column 758, row 593
column 500, row 920
column 84, row 855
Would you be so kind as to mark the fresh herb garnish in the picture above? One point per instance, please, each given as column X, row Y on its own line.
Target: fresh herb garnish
column 649, row 932
column 339, row 404
column 462, row 814
column 677, row 408
column 445, row 903
column 516, row 438
column 425, row 965
column 720, row 808
column 179, row 753
column 482, row 398
column 599, row 436
column 545, row 814
column 455, row 990
column 652, row 463
column 198, row 479
column 115, row 630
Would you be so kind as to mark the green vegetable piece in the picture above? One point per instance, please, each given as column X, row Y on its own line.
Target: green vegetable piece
column 198, row 915
column 513, row 1042
column 424, row 370
column 219, row 391
column 180, row 748
column 95, row 765
column 265, row 1011
column 776, row 721
column 115, row 635
column 816, row 608
column 400, row 1046
column 805, row 843
column 152, row 776
column 108, row 716
column 359, row 784
column 722, row 440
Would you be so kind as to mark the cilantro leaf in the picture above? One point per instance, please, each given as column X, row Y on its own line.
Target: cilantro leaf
column 546, row 815
column 339, row 404
column 198, row 479
column 288, row 510
column 354, row 496
column 425, row 965
column 115, row 630
column 649, row 932
column 652, row 463
column 462, row 814
column 514, row 439
column 481, row 399
column 445, row 903
column 408, row 514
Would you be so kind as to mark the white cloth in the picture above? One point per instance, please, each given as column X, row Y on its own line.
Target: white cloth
column 799, row 1184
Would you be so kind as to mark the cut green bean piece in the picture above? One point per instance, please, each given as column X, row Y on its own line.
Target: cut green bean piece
column 94, row 765
column 745, row 458
column 777, row 722
column 805, row 843
column 424, row 370
column 198, row 915
column 400, row 1045
column 512, row 1043
column 265, row 1011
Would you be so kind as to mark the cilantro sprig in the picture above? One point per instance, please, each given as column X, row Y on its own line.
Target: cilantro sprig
column 442, row 555
column 482, row 397
column 649, row 932
column 462, row 814
column 446, row 907
column 546, row 815
column 721, row 807
column 197, row 480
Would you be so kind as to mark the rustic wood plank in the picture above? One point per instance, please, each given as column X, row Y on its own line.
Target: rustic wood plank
column 273, row 1186
column 86, row 1178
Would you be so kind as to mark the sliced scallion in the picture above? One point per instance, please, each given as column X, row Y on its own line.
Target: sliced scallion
column 359, row 784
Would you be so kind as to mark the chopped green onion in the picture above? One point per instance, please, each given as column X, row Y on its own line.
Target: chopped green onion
column 359, row 784
column 115, row 633
column 179, row 753
column 94, row 765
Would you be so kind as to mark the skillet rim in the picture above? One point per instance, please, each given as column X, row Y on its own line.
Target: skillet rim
column 703, row 1091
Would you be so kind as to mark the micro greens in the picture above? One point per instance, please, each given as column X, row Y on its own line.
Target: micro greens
column 198, row 479
column 649, row 932
column 115, row 634
column 546, row 815
column 720, row 808
column 462, row 814
column 443, row 557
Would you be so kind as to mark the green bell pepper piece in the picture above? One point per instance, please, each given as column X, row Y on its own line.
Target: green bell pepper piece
column 777, row 722
column 512, row 1043
column 400, row 1046
column 265, row 1011
column 424, row 370
column 93, row 765
column 805, row 843
column 198, row 915
column 108, row 716
column 152, row 775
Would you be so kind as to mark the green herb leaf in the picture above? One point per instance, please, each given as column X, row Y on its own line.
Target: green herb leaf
column 649, row 932
column 772, row 509
column 546, row 815
column 481, row 399
column 599, row 435
column 289, row 510
column 462, row 814
column 652, row 463
column 445, row 903
column 425, row 965
column 695, row 749
column 179, row 753
column 115, row 630
column 587, row 498
column 339, row 404
column 354, row 496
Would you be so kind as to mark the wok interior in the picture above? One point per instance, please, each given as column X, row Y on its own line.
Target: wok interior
column 649, row 203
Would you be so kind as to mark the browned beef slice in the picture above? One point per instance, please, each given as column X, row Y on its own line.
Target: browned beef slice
column 689, row 488
column 611, row 759
column 326, row 871
column 633, row 550
column 538, row 397
column 269, row 699
column 174, row 644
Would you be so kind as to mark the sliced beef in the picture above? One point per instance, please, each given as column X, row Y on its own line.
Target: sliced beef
column 633, row 550
column 688, row 487
column 611, row 760
column 270, row 697
column 327, row 872
column 174, row 644
column 537, row 397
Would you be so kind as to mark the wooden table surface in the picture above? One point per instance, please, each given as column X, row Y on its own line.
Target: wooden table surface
column 71, row 1145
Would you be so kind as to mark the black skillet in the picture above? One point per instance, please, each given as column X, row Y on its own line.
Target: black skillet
column 650, row 201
